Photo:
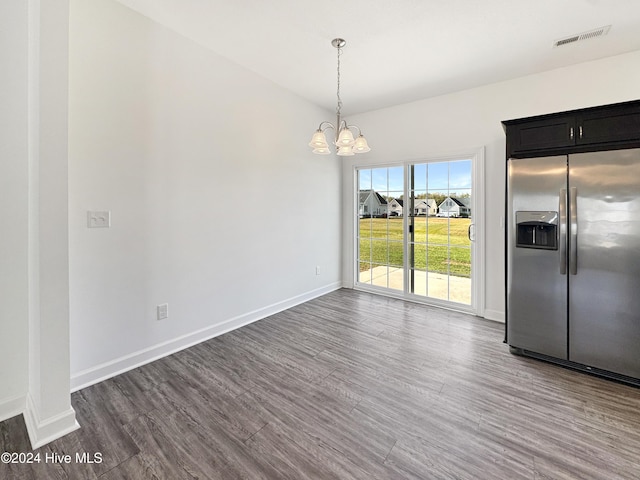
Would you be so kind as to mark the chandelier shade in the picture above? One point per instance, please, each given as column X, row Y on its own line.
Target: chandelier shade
column 344, row 140
column 345, row 151
column 322, row 150
column 360, row 145
column 319, row 140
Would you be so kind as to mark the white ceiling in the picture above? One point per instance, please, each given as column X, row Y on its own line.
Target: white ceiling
column 397, row 50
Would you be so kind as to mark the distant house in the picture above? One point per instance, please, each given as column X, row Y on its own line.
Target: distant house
column 424, row 206
column 454, row 207
column 371, row 204
column 395, row 207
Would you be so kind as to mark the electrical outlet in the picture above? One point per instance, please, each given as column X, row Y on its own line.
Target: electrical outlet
column 162, row 311
column 317, row 270
column 100, row 219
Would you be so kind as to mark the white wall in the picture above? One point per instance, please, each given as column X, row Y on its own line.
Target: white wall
column 465, row 120
column 218, row 207
column 13, row 207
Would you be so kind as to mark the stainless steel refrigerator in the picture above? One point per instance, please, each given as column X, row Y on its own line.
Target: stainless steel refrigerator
column 573, row 260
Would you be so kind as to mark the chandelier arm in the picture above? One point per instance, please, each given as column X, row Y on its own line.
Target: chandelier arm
column 327, row 125
column 353, row 126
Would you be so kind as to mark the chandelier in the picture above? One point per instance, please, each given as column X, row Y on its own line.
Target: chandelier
column 344, row 141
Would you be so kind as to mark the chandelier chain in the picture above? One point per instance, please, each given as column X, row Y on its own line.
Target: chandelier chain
column 339, row 107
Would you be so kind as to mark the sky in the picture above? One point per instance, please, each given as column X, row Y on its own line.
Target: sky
column 442, row 177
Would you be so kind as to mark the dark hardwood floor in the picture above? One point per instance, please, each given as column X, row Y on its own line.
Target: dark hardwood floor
column 348, row 386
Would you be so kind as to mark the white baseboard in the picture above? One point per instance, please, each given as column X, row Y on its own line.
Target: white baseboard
column 44, row 431
column 40, row 431
column 120, row 365
column 11, row 407
column 495, row 315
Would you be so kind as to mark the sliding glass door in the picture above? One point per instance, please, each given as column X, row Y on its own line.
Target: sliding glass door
column 439, row 230
column 380, row 228
column 415, row 230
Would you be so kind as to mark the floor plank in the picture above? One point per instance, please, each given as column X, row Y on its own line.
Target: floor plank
column 348, row 386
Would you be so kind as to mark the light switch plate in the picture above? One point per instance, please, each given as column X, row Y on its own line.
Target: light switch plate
column 99, row 219
column 162, row 311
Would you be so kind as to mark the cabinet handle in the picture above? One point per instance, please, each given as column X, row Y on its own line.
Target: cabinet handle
column 580, row 132
column 571, row 133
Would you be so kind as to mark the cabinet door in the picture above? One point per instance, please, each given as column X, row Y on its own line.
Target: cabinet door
column 544, row 134
column 610, row 125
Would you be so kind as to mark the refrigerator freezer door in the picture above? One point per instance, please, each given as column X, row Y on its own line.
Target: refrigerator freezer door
column 604, row 294
column 537, row 280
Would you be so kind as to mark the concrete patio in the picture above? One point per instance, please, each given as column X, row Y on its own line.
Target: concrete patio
column 429, row 284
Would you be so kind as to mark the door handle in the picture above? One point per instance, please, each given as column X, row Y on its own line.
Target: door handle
column 573, row 233
column 471, row 237
column 562, row 210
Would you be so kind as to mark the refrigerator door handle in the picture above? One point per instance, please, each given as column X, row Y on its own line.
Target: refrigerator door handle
column 573, row 234
column 562, row 209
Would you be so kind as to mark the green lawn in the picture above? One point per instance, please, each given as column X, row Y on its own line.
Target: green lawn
column 439, row 244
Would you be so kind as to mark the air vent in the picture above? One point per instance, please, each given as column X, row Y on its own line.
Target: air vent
column 598, row 32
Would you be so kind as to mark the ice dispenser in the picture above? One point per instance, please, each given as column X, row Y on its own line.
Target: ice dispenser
column 537, row 230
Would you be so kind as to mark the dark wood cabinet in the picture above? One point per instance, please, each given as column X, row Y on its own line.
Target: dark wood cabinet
column 596, row 128
column 608, row 125
column 542, row 134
